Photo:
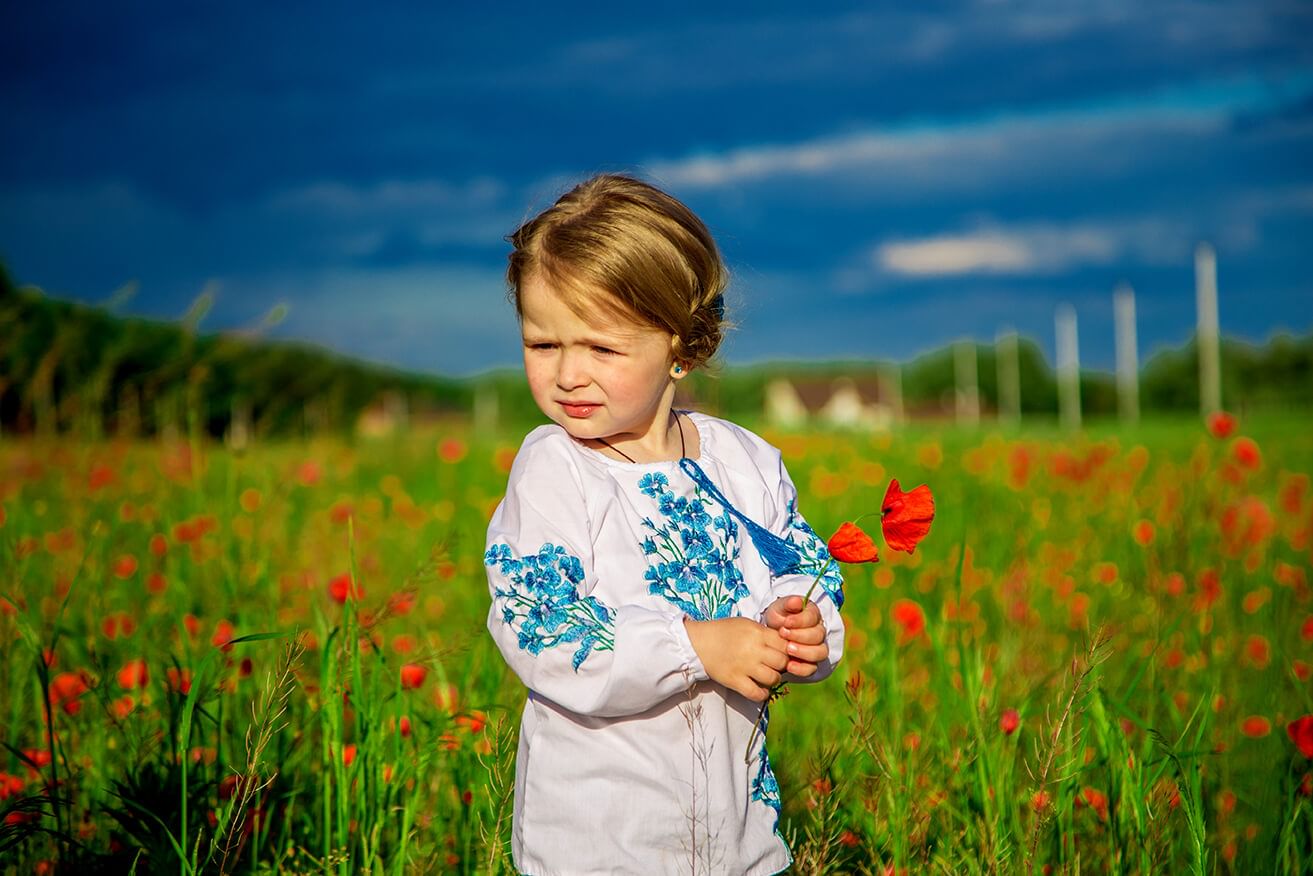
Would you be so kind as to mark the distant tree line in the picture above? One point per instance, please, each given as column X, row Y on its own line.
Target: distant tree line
column 69, row 367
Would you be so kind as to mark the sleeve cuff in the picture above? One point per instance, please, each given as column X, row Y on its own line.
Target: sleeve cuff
column 692, row 663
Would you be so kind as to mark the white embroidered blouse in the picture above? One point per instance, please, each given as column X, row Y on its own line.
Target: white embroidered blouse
column 631, row 760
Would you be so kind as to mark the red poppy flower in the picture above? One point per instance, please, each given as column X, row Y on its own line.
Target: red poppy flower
column 65, row 689
column 906, row 517
column 348, row 754
column 1300, row 732
column 412, row 676
column 910, row 619
column 133, row 674
column 1096, row 800
column 343, row 588
column 1009, row 721
column 1256, row 726
column 223, row 635
column 1221, row 424
column 851, row 545
column 1246, row 453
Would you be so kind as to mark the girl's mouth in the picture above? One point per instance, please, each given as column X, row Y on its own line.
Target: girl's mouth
column 579, row 411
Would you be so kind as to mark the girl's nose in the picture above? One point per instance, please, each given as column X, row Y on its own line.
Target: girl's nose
column 570, row 372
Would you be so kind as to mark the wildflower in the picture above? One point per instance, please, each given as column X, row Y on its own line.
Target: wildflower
column 125, row 566
column 133, row 675
column 343, row 588
column 1221, row 425
column 1300, row 732
column 910, row 620
column 309, row 473
column 348, row 754
column 223, row 635
column 906, row 517
column 1009, row 721
column 851, row 545
column 1256, row 726
column 451, row 450
column 849, row 839
column 405, row 726
column 1096, row 800
column 474, row 722
column 65, row 689
column 179, row 680
column 1039, row 801
column 1143, row 533
column 412, row 676
column 1246, row 453
column 159, row 545
column 1257, row 651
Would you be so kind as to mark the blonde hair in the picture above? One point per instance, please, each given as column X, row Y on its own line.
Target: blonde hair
column 627, row 247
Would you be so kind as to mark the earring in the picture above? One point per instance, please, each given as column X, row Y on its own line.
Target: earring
column 678, row 370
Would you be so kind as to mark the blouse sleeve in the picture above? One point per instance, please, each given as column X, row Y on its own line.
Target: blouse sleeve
column 815, row 557
column 565, row 644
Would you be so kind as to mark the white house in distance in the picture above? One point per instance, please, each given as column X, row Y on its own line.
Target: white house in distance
column 839, row 402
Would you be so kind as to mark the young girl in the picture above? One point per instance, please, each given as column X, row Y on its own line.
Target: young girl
column 646, row 564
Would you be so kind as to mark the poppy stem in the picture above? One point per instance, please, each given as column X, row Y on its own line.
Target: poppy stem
column 778, row 690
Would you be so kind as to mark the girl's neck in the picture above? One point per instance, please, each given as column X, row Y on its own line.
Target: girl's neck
column 680, row 439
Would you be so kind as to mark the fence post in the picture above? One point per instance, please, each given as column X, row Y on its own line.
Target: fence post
column 968, row 387
column 1205, row 291
column 1068, row 367
column 1128, row 357
column 890, row 381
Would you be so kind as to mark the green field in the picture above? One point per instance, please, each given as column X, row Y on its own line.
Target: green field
column 181, row 615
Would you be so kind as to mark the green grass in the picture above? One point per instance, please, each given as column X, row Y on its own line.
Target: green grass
column 1153, row 707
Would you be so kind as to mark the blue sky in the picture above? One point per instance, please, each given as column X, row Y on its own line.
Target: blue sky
column 882, row 178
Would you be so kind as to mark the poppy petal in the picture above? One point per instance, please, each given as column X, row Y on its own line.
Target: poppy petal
column 851, row 545
column 906, row 516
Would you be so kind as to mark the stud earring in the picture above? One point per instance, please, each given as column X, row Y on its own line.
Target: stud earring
column 679, row 369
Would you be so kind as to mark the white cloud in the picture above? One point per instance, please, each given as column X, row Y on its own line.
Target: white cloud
column 982, row 151
column 1037, row 248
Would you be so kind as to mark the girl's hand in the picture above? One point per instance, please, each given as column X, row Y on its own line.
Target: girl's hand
column 804, row 631
column 739, row 653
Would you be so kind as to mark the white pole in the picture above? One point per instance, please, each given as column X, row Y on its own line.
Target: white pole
column 1068, row 367
column 891, row 382
column 1128, row 357
column 1205, row 291
column 1009, row 377
column 968, row 387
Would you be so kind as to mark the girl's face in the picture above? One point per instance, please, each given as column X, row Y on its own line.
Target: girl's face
column 609, row 378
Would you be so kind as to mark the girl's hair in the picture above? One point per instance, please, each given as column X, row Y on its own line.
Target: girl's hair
column 627, row 247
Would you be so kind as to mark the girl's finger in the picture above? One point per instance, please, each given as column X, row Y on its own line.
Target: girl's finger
column 800, row 669
column 808, row 617
column 807, row 636
column 809, row 653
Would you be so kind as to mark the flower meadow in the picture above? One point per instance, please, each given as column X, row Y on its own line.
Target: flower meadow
column 1099, row 659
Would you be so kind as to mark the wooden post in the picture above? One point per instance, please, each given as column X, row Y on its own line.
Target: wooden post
column 1068, row 367
column 1205, row 291
column 891, row 384
column 968, row 387
column 1009, row 377
column 1128, row 357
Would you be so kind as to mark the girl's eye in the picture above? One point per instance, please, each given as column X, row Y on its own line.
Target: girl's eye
column 542, row 346
column 606, row 351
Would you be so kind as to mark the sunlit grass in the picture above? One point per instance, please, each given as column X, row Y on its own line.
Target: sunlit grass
column 277, row 660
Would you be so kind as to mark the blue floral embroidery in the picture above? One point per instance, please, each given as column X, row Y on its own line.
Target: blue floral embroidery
column 693, row 556
column 815, row 555
column 542, row 603
column 764, row 787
